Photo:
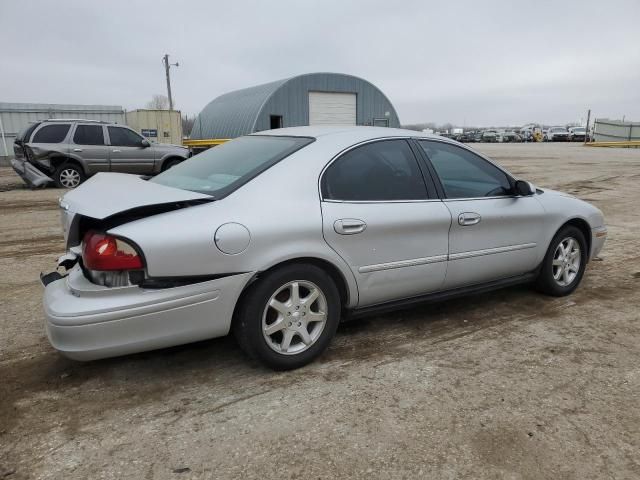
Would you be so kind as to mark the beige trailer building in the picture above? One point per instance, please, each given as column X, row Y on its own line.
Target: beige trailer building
column 160, row 126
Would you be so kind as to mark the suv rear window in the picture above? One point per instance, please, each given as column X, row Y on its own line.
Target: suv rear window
column 55, row 133
column 221, row 170
column 25, row 133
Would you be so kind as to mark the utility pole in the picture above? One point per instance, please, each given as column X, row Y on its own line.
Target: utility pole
column 586, row 133
column 167, row 66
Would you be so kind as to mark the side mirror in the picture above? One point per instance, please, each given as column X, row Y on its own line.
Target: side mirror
column 524, row 189
column 145, row 143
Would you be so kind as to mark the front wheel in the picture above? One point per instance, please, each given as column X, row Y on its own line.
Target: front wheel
column 564, row 264
column 172, row 162
column 289, row 317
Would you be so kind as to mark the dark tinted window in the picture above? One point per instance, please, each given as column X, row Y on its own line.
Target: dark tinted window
column 123, row 137
column 464, row 174
column 25, row 133
column 220, row 170
column 378, row 171
column 89, row 135
column 51, row 133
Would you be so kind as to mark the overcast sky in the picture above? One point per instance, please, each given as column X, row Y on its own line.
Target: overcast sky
column 465, row 62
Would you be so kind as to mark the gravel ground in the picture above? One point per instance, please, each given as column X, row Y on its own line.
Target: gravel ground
column 510, row 384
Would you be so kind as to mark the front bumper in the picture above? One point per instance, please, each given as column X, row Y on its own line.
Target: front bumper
column 85, row 321
column 30, row 174
column 598, row 237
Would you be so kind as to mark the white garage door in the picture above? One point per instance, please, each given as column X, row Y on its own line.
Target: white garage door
column 332, row 108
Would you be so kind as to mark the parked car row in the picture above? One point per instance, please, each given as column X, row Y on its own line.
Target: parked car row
column 487, row 136
column 525, row 134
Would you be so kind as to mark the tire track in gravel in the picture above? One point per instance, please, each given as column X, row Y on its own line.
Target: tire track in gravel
column 21, row 248
column 12, row 207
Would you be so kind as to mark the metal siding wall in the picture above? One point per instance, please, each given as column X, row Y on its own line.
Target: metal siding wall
column 232, row 114
column 615, row 131
column 16, row 116
column 292, row 100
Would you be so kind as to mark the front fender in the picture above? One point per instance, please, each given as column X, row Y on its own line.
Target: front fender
column 163, row 157
column 561, row 208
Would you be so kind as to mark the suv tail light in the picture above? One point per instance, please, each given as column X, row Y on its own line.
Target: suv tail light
column 107, row 253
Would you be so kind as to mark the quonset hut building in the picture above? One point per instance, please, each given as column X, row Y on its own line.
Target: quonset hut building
column 310, row 99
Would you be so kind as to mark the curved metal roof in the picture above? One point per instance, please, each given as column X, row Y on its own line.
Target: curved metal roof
column 233, row 114
column 246, row 111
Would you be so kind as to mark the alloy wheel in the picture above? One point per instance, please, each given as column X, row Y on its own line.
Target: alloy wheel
column 566, row 261
column 294, row 317
column 69, row 178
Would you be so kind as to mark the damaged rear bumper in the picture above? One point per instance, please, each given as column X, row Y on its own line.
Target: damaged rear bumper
column 85, row 321
column 30, row 174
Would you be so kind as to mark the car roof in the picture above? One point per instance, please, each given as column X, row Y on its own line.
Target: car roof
column 358, row 133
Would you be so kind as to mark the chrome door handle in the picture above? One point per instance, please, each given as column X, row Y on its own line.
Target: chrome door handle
column 469, row 218
column 349, row 226
column 77, row 149
column 115, row 151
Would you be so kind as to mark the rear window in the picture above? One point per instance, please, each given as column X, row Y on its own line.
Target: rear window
column 55, row 133
column 220, row 170
column 25, row 133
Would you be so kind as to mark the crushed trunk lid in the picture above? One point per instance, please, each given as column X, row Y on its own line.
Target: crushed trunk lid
column 107, row 194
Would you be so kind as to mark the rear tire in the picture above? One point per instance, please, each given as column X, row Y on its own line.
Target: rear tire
column 69, row 175
column 564, row 263
column 288, row 317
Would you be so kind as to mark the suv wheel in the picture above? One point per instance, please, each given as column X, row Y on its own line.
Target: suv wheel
column 289, row 317
column 68, row 175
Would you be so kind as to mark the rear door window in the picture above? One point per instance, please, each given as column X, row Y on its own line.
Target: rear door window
column 88, row 135
column 54, row 133
column 379, row 171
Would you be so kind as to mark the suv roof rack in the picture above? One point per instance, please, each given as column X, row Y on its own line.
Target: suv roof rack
column 73, row 120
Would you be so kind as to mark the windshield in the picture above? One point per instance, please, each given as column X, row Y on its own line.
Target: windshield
column 558, row 129
column 579, row 129
column 221, row 170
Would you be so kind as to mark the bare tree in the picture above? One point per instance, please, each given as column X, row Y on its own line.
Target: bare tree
column 187, row 125
column 158, row 102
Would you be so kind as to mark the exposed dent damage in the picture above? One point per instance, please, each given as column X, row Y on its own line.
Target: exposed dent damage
column 32, row 176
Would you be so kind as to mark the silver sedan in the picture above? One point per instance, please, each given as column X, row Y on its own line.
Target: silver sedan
column 277, row 236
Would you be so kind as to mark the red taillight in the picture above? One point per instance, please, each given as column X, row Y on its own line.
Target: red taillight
column 104, row 252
